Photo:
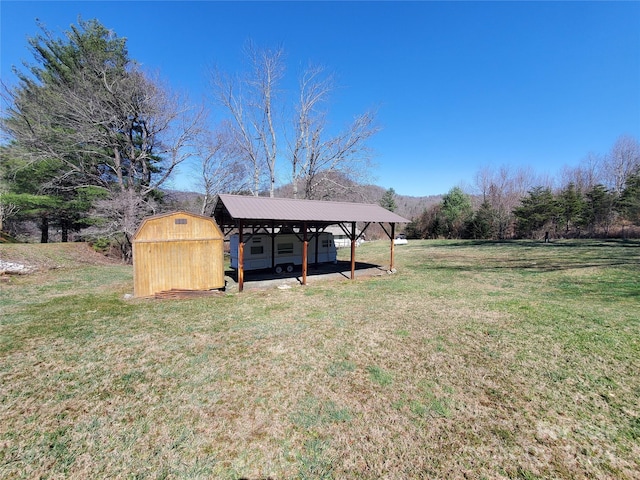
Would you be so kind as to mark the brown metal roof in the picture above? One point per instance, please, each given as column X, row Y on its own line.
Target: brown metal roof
column 236, row 207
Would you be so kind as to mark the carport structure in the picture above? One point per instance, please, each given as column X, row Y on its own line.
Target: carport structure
column 250, row 215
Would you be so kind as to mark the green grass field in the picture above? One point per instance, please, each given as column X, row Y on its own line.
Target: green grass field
column 475, row 360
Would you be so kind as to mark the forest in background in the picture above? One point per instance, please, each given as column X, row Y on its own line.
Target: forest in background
column 599, row 198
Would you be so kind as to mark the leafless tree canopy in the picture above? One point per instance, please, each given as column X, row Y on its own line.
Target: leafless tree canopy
column 611, row 169
column 250, row 100
column 315, row 154
column 586, row 175
column 622, row 161
column 502, row 190
column 221, row 171
column 316, row 157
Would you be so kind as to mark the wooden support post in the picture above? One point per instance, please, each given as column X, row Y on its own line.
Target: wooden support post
column 273, row 245
column 240, row 259
column 305, row 254
column 353, row 250
column 393, row 236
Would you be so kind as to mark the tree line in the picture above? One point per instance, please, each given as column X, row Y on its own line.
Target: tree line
column 90, row 139
column 599, row 198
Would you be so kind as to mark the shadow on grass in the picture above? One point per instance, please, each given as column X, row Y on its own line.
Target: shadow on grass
column 340, row 269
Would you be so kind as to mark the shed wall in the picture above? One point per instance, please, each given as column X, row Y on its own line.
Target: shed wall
column 184, row 264
column 177, row 250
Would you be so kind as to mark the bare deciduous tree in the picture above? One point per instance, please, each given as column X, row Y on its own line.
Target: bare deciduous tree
column 251, row 102
column 220, row 171
column 314, row 89
column 346, row 155
column 586, row 175
column 7, row 209
column 137, row 132
column 319, row 159
column 502, row 189
column 320, row 162
column 622, row 161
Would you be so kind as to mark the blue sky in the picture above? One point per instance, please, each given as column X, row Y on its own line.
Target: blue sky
column 458, row 85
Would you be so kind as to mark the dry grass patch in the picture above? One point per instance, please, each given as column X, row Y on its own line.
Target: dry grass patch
column 474, row 361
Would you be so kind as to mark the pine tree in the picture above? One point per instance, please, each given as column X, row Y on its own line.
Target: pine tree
column 571, row 206
column 599, row 209
column 629, row 203
column 456, row 210
column 539, row 210
column 388, row 200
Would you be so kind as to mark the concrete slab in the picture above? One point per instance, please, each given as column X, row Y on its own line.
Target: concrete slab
column 265, row 279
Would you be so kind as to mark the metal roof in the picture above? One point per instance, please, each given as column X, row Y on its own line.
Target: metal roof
column 236, row 207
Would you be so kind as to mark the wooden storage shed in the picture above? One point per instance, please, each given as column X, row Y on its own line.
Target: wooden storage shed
column 177, row 251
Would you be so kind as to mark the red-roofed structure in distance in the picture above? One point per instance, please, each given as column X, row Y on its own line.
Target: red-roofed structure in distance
column 249, row 215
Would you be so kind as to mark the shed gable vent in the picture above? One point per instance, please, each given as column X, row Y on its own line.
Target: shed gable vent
column 181, row 221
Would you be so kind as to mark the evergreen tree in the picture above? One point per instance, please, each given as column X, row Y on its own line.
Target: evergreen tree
column 482, row 225
column 571, row 206
column 539, row 210
column 629, row 203
column 412, row 230
column 42, row 193
column 599, row 209
column 388, row 200
column 456, row 210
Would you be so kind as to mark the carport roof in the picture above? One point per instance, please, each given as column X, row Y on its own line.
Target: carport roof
column 249, row 209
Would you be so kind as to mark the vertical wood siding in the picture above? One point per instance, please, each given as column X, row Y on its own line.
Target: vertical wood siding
column 177, row 251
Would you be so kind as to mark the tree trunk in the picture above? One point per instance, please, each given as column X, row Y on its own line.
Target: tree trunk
column 256, row 181
column 44, row 230
column 65, row 231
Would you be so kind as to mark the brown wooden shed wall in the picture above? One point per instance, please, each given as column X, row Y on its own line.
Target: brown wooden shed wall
column 170, row 254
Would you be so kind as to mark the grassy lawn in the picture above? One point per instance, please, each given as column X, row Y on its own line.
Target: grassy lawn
column 475, row 360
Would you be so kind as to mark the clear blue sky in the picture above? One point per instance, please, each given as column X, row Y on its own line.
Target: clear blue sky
column 457, row 85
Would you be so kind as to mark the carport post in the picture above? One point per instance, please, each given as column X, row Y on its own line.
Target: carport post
column 273, row 245
column 305, row 256
column 353, row 250
column 240, row 259
column 393, row 235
